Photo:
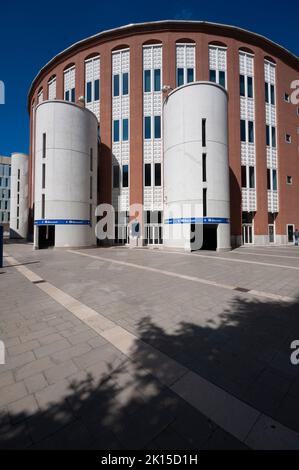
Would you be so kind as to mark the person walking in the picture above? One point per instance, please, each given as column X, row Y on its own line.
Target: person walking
column 296, row 236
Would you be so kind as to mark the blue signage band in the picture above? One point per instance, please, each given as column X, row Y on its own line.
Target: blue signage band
column 61, row 222
column 197, row 220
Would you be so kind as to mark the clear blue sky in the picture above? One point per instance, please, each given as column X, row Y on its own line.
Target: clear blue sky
column 32, row 32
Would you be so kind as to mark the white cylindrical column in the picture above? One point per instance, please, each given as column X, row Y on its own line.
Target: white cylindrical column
column 65, row 175
column 19, row 196
column 196, row 169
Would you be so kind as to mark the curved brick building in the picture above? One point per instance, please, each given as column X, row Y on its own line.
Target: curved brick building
column 124, row 75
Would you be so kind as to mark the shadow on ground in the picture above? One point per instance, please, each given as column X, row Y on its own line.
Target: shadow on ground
column 246, row 351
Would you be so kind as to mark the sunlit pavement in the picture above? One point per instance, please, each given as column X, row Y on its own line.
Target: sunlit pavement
column 119, row 348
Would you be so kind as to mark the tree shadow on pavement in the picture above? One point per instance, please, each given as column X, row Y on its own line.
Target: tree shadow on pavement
column 246, row 351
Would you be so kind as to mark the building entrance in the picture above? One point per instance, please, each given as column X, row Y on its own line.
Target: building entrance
column 46, row 236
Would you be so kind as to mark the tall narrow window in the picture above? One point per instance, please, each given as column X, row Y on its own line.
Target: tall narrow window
column 242, row 85
column 267, row 92
column 204, row 202
column 44, row 145
column 243, row 130
column 125, row 83
column 125, row 129
column 43, row 176
column 249, row 87
column 116, row 130
column 222, row 78
column 267, row 135
column 243, row 176
column 43, row 206
column 147, row 80
column 115, row 176
column 157, row 174
column 274, row 176
column 97, row 90
column 147, row 174
column 157, row 80
column 273, row 137
column 203, row 132
column 147, row 127
column 272, row 89
column 157, row 127
column 180, row 76
column 91, row 160
column 251, row 177
column 250, row 132
column 90, row 187
column 125, row 182
column 116, row 85
column 204, row 167
column 88, row 92
column 190, row 75
column 268, row 178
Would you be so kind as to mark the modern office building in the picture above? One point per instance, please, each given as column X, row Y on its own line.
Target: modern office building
column 5, row 174
column 136, row 80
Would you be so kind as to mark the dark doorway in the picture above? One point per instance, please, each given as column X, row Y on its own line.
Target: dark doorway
column 46, row 236
column 209, row 237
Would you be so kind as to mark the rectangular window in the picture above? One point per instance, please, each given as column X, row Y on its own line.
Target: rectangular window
column 115, row 176
column 157, row 127
column 125, row 83
column 116, row 85
column 250, row 132
column 125, row 129
column 273, row 131
column 243, row 130
column 274, row 176
column 268, row 136
column 90, row 187
column 43, row 176
column 157, row 174
column 147, row 81
column 242, row 85
column 204, row 202
column 125, row 176
column 272, row 94
column 180, row 76
column 73, row 99
column 88, row 92
column 203, row 132
column 213, row 76
column 267, row 92
column 43, row 206
column 147, row 174
column 116, row 131
column 97, row 90
column 222, row 78
column 157, row 80
column 268, row 178
column 18, row 199
column 289, row 180
column 243, row 176
column 18, row 186
column 190, row 75
column 67, row 95
column 204, row 167
column 44, row 145
column 251, row 177
column 147, row 127
column 19, row 173
column 249, row 87
column 18, row 224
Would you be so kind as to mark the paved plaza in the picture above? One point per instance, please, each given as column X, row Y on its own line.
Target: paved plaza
column 118, row 348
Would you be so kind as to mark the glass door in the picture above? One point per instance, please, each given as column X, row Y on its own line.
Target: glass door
column 247, row 230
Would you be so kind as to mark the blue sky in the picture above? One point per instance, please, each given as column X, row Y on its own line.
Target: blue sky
column 32, row 32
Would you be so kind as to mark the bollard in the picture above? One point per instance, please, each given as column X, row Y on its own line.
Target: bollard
column 1, row 246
